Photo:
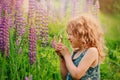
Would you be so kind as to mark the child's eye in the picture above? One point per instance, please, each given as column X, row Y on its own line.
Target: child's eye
column 69, row 34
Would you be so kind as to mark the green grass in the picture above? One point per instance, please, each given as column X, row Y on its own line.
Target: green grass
column 111, row 25
column 110, row 68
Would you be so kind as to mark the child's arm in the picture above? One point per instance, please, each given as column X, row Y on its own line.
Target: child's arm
column 63, row 69
column 86, row 62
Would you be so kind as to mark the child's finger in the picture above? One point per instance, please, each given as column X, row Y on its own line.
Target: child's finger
column 58, row 49
column 59, row 44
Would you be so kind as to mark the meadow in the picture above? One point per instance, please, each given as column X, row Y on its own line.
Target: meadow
column 17, row 66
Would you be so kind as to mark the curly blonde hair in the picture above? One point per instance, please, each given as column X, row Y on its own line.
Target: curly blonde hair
column 88, row 31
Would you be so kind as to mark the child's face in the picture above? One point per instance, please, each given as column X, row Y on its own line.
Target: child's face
column 73, row 40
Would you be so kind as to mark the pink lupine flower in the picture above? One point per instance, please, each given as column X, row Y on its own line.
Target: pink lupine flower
column 32, row 45
column 26, row 78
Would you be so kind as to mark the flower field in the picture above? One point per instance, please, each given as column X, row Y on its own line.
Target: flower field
column 27, row 28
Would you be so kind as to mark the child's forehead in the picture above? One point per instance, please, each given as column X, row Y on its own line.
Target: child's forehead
column 69, row 30
column 70, row 26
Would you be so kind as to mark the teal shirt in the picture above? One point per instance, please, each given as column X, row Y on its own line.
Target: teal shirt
column 91, row 74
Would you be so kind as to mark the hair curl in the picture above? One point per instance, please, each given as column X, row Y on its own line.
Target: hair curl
column 88, row 31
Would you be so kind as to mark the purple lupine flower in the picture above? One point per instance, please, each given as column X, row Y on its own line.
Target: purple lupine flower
column 89, row 6
column 75, row 7
column 38, row 19
column 38, row 14
column 11, row 18
column 86, row 7
column 97, row 4
column 32, row 45
column 96, row 8
column 4, row 36
column 51, row 9
column 43, row 3
column 63, row 8
column 1, row 1
column 31, row 11
column 8, row 5
column 44, row 28
column 73, row 11
column 41, row 21
column 1, row 29
column 1, row 38
column 0, row 13
column 18, row 4
column 92, row 7
column 19, row 22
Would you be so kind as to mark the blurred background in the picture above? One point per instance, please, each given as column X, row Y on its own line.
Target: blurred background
column 27, row 28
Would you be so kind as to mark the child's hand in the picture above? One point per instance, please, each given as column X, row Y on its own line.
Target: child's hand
column 62, row 49
column 53, row 44
column 58, row 53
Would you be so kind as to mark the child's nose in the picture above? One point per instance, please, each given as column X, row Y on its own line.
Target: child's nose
column 68, row 37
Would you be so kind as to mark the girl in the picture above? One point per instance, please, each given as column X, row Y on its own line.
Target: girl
column 86, row 38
